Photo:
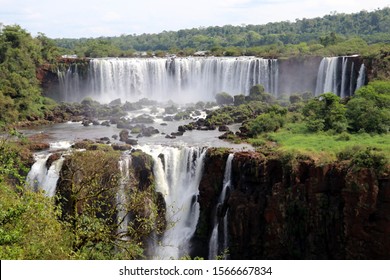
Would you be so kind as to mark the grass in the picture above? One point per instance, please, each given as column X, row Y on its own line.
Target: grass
column 295, row 138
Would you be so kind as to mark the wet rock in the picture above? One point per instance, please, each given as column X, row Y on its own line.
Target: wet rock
column 149, row 131
column 105, row 123
column 121, row 147
column 143, row 119
column 179, row 133
column 115, row 102
column 223, row 128
column 52, row 158
column 39, row 146
column 226, row 135
column 84, row 144
column 131, row 142
column 115, row 137
column 170, row 136
column 86, row 122
column 124, row 135
column 168, row 119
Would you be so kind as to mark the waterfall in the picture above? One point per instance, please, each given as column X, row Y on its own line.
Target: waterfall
column 42, row 177
column 337, row 75
column 215, row 239
column 123, row 216
column 362, row 77
column 178, row 172
column 180, row 79
column 327, row 76
column 343, row 80
column 70, row 84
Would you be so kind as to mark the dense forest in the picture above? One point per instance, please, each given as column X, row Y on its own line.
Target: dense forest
column 351, row 32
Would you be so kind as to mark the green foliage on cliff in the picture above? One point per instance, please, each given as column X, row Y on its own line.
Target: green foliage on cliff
column 20, row 92
column 29, row 225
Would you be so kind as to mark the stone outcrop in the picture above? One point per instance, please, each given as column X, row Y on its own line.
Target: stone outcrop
column 284, row 210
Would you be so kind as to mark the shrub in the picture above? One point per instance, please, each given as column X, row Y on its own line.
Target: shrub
column 223, row 98
column 368, row 109
column 266, row 123
column 328, row 110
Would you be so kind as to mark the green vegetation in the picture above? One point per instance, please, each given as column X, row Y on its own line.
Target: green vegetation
column 29, row 225
column 20, row 92
column 323, row 128
column 334, row 34
column 326, row 127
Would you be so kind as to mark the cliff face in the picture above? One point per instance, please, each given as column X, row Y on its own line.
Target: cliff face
column 279, row 211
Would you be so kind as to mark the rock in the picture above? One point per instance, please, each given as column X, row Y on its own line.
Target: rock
column 131, row 142
column 121, row 147
column 114, row 120
column 170, row 136
column 52, row 158
column 226, row 135
column 39, row 146
column 168, row 119
column 84, row 144
column 105, row 123
column 223, row 128
column 201, row 122
column 181, row 128
column 115, row 137
column 163, row 124
column 179, row 133
column 143, row 119
column 104, row 139
column 86, row 122
column 115, row 102
column 149, row 131
column 124, row 135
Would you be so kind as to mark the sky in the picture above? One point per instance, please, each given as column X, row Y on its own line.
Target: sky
column 95, row 18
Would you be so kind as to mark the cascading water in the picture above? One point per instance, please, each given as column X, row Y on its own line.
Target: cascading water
column 41, row 177
column 70, row 83
column 362, row 77
column 178, row 173
column 338, row 75
column 179, row 79
column 215, row 240
column 123, row 216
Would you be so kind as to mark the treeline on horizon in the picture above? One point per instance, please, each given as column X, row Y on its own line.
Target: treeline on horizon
column 333, row 34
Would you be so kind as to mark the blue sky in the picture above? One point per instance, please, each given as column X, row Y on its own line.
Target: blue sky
column 77, row 18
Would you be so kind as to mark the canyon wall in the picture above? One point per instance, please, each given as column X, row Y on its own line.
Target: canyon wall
column 283, row 210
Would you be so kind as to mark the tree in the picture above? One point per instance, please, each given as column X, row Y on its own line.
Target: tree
column 325, row 113
column 368, row 109
column 20, row 55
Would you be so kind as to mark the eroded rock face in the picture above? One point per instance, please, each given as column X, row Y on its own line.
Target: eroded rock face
column 304, row 211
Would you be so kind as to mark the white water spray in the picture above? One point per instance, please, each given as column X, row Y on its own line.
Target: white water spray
column 180, row 79
column 123, row 216
column 214, row 244
column 41, row 177
column 178, row 172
